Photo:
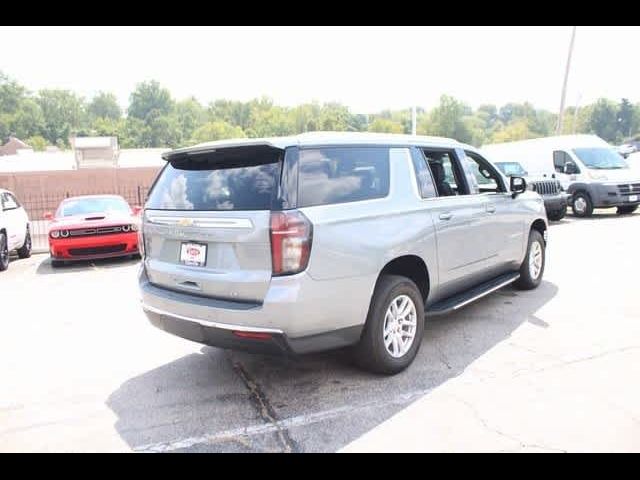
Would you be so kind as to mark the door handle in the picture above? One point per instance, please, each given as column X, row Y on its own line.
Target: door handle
column 446, row 216
column 491, row 208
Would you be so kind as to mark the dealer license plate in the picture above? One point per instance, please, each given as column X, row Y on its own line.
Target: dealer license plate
column 194, row 254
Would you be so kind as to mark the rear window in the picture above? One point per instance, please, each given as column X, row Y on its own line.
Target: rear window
column 231, row 179
column 339, row 175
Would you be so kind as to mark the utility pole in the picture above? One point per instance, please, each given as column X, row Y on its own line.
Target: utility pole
column 575, row 112
column 564, row 84
column 413, row 120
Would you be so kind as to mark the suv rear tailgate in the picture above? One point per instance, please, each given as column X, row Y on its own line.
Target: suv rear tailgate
column 216, row 206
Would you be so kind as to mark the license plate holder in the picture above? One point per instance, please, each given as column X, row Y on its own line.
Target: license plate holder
column 193, row 254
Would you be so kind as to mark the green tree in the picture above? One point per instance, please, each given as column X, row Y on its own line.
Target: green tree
column 336, row 117
column 151, row 118
column 360, row 122
column 385, row 125
column 131, row 133
column 104, row 105
column 5, row 127
column 149, row 99
column 11, row 94
column 233, row 112
column 268, row 120
column 37, row 142
column 517, row 130
column 62, row 111
column 477, row 129
column 604, row 120
column 488, row 113
column 155, row 131
column 514, row 111
column 190, row 115
column 447, row 120
column 28, row 120
column 306, row 117
column 109, row 127
column 218, row 130
column 628, row 118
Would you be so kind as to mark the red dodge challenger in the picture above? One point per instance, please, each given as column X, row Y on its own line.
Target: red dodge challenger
column 92, row 227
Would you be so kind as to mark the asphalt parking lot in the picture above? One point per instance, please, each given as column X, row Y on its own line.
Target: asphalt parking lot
column 555, row 369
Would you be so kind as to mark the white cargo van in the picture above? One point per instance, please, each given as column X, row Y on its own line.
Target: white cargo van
column 589, row 169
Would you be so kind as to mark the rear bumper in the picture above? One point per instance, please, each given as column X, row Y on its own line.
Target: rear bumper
column 285, row 322
column 94, row 247
column 219, row 335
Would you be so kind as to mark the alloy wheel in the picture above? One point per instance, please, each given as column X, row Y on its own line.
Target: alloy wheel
column 399, row 329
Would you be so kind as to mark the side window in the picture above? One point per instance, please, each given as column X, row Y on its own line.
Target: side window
column 426, row 186
column 342, row 174
column 447, row 177
column 9, row 202
column 560, row 158
column 488, row 178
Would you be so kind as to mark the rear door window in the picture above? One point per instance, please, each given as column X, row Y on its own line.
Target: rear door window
column 342, row 174
column 446, row 172
column 231, row 179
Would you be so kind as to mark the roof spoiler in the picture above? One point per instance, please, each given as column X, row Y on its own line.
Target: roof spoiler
column 183, row 153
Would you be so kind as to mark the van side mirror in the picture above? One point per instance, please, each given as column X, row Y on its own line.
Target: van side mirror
column 518, row 185
column 570, row 168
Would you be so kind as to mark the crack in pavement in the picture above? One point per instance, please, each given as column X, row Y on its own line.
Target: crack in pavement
column 567, row 363
column 441, row 355
column 488, row 427
column 287, row 423
column 264, row 408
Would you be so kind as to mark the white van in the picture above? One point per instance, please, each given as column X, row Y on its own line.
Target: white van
column 589, row 169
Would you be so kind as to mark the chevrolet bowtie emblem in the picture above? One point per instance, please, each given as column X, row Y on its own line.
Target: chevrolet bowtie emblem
column 185, row 222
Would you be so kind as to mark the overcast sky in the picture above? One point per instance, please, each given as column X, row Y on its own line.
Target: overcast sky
column 367, row 69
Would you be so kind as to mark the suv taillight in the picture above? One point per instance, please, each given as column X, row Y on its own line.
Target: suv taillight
column 291, row 234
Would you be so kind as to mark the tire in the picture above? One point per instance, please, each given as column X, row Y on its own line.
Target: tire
column 627, row 209
column 4, row 252
column 557, row 215
column 25, row 250
column 584, row 207
column 371, row 353
column 531, row 272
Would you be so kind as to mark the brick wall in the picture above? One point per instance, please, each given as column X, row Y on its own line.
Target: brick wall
column 41, row 192
column 77, row 182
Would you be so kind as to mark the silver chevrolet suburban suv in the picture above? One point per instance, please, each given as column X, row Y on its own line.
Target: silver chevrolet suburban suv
column 324, row 240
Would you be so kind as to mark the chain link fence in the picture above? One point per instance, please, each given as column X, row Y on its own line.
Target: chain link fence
column 37, row 205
